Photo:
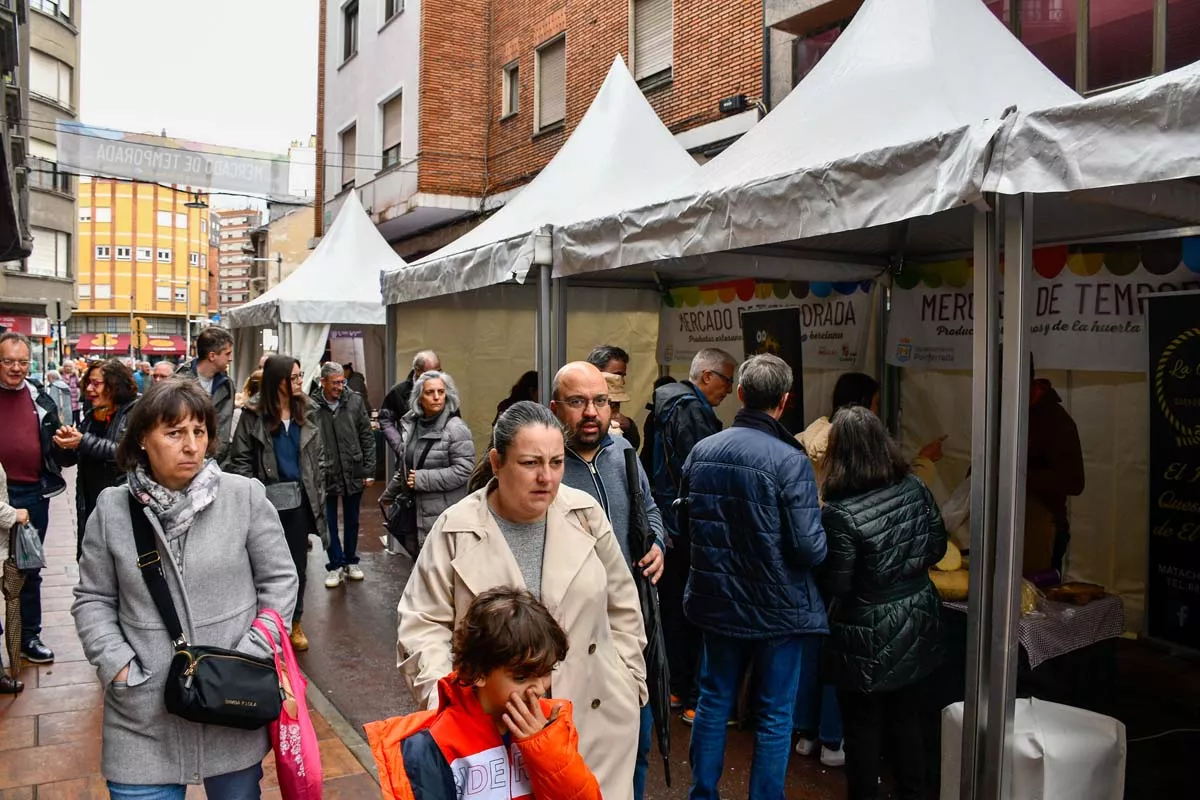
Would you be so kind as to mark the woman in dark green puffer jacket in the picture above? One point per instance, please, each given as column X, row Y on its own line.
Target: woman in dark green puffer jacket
column 884, row 532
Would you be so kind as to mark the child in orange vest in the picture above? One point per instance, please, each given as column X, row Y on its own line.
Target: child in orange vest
column 493, row 736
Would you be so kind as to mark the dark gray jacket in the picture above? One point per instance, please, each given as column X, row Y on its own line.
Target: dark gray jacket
column 222, row 397
column 349, row 442
column 236, row 563
column 604, row 479
column 441, row 479
column 253, row 455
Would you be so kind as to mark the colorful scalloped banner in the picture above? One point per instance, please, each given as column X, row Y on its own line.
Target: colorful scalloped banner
column 1157, row 258
column 749, row 289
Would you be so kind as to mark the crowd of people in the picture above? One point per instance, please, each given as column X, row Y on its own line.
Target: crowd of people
column 791, row 569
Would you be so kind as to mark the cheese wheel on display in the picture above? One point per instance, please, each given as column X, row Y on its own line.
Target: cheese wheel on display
column 951, row 585
column 952, row 560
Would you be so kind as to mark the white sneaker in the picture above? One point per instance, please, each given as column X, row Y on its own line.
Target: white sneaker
column 333, row 579
column 806, row 747
column 833, row 758
column 354, row 573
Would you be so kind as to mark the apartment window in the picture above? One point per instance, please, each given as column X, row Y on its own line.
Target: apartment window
column 392, row 131
column 181, row 221
column 510, row 90
column 104, row 214
column 85, row 214
column 55, row 8
column 85, row 291
column 124, row 253
column 194, row 259
column 550, row 77
column 103, row 291
column 349, row 29
column 50, row 78
column 391, row 8
column 46, row 174
column 203, row 260
column 103, row 253
column 145, row 254
column 203, row 297
column 181, row 295
column 163, row 293
column 203, row 226
column 653, row 40
column 51, row 254
column 164, row 219
column 349, row 155
column 164, row 254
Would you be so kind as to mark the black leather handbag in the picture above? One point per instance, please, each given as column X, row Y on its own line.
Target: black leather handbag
column 209, row 685
column 401, row 518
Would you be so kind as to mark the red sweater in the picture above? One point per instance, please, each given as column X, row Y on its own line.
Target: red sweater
column 456, row 752
column 21, row 444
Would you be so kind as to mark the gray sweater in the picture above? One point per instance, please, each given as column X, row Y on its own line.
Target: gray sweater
column 236, row 563
column 604, row 479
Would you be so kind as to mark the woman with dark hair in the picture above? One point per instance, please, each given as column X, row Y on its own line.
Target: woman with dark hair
column 92, row 445
column 526, row 530
column 526, row 388
column 884, row 532
column 224, row 562
column 278, row 444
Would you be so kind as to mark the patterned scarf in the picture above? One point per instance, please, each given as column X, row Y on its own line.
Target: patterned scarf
column 176, row 511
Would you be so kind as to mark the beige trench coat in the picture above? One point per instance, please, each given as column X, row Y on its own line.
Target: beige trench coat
column 586, row 585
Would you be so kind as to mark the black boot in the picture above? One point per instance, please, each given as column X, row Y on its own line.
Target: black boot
column 10, row 685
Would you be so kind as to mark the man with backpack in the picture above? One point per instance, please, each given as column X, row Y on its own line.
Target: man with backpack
column 684, row 414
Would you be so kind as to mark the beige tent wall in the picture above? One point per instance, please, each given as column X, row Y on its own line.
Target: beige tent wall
column 486, row 340
column 1108, row 521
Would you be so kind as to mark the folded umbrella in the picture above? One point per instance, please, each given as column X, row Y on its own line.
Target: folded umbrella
column 658, row 678
column 11, row 582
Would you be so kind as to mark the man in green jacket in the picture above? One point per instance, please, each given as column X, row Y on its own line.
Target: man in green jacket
column 349, row 467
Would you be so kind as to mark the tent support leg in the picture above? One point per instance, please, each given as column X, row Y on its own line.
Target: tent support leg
column 985, row 431
column 558, row 307
column 1010, row 506
column 391, row 317
column 544, row 334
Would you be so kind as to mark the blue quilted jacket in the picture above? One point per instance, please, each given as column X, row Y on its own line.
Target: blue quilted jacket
column 754, row 525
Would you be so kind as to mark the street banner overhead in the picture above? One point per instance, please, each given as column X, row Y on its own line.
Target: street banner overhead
column 1087, row 312
column 161, row 159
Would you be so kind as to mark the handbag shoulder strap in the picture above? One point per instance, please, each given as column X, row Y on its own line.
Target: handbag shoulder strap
column 150, row 564
column 424, row 454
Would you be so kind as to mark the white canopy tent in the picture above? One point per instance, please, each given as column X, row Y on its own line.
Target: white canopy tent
column 620, row 151
column 338, row 284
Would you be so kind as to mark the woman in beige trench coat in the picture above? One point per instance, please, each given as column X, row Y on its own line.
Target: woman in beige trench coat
column 583, row 581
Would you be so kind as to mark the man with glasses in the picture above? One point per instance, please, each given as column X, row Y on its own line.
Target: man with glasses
column 684, row 414
column 30, row 458
column 595, row 464
column 214, row 351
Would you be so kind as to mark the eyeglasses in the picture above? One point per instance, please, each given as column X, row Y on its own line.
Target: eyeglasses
column 96, row 384
column 578, row 403
column 23, row 363
column 727, row 378
column 341, row 382
column 297, row 378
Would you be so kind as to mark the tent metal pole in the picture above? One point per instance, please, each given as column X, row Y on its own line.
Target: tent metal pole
column 1010, row 505
column 985, row 432
column 391, row 317
column 558, row 308
column 544, row 333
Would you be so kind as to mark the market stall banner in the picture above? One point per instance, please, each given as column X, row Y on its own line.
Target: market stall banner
column 835, row 319
column 1088, row 311
column 1173, row 582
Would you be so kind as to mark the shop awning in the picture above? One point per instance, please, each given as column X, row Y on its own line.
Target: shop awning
column 165, row 346
column 101, row 344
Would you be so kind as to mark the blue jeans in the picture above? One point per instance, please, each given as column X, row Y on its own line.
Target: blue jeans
column 338, row 556
column 240, row 785
column 29, row 497
column 641, row 764
column 817, row 710
column 776, row 677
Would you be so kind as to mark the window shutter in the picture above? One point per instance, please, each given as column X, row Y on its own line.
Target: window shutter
column 392, row 120
column 552, row 83
column 63, row 262
column 39, row 149
column 44, row 258
column 653, row 34
column 349, row 155
column 43, row 74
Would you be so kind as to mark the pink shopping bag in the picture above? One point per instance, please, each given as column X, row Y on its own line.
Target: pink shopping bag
column 293, row 738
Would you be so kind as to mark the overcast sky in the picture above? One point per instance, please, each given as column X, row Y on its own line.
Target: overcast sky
column 239, row 73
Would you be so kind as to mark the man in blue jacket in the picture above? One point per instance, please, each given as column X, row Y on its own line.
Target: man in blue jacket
column 754, row 522
column 596, row 464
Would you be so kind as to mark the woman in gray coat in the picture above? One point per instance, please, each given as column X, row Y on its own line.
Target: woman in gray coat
column 437, row 454
column 225, row 561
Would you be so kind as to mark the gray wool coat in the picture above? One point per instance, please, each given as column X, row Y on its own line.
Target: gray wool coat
column 441, row 480
column 235, row 564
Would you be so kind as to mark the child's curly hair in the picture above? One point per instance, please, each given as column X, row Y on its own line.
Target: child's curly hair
column 507, row 628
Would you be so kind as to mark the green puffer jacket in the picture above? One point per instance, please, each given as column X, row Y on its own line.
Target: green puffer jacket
column 884, row 614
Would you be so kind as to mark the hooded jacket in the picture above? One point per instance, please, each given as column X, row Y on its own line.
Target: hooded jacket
column 682, row 417
column 457, row 752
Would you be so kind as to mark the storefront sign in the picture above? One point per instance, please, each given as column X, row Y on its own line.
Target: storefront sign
column 1087, row 312
column 835, row 319
column 1173, row 583
column 30, row 326
column 777, row 331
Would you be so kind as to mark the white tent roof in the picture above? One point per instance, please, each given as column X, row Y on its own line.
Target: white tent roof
column 894, row 122
column 619, row 152
column 337, row 284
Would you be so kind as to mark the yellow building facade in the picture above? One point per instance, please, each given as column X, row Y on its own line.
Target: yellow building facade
column 142, row 253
